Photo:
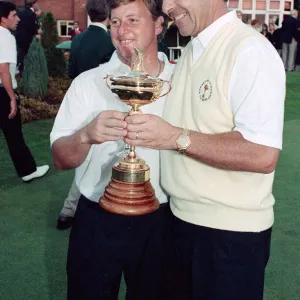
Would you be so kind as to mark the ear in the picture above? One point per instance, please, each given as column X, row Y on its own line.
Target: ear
column 159, row 25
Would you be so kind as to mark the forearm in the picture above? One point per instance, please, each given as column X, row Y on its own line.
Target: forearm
column 7, row 83
column 70, row 152
column 230, row 151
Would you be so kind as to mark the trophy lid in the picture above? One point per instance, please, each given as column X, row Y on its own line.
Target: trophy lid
column 137, row 76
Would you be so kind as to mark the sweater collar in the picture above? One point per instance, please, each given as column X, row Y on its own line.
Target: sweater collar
column 205, row 36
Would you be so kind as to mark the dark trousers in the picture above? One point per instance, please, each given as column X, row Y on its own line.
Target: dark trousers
column 22, row 53
column 105, row 245
column 12, row 129
column 211, row 264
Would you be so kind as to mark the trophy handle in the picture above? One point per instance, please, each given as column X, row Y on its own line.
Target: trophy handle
column 106, row 81
column 168, row 91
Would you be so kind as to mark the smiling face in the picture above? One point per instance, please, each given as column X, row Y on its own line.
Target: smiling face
column 132, row 25
column 193, row 16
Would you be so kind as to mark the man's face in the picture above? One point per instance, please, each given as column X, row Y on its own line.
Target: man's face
column 132, row 26
column 76, row 25
column 239, row 15
column 11, row 21
column 191, row 16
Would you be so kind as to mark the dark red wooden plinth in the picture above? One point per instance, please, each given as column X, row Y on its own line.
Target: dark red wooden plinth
column 129, row 199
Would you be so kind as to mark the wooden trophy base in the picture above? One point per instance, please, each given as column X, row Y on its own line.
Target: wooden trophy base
column 129, row 199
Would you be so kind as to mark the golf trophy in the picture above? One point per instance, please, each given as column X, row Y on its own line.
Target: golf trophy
column 130, row 192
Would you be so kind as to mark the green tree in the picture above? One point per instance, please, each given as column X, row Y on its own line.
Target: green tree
column 35, row 76
column 55, row 57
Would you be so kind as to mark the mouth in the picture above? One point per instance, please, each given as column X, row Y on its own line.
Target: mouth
column 177, row 18
column 126, row 42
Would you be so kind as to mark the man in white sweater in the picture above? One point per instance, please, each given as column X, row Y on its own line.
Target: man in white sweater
column 221, row 136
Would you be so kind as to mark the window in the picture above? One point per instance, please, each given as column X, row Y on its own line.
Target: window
column 63, row 27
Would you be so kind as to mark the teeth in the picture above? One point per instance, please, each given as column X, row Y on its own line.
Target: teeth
column 180, row 16
column 126, row 41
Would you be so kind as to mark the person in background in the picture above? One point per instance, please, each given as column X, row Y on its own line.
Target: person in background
column 289, row 41
column 10, row 117
column 276, row 38
column 27, row 29
column 75, row 31
column 89, row 49
column 255, row 24
column 265, row 31
column 239, row 15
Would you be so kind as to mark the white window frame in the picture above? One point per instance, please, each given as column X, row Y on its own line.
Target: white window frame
column 68, row 23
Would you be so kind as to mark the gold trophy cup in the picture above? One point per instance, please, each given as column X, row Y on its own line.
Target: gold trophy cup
column 130, row 191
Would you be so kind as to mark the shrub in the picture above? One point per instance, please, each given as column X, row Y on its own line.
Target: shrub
column 32, row 109
column 35, row 76
column 56, row 62
column 49, row 31
column 55, row 58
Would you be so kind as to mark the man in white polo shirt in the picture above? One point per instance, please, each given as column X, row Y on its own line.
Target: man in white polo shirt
column 222, row 135
column 10, row 118
column 87, row 135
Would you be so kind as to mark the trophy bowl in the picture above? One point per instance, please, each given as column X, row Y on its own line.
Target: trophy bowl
column 130, row 191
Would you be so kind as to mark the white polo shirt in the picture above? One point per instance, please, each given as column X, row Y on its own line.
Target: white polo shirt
column 250, row 81
column 85, row 99
column 8, row 53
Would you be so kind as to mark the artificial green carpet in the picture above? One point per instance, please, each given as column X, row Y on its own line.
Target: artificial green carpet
column 33, row 252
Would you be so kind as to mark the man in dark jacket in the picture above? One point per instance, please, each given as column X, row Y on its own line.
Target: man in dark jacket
column 92, row 47
column 289, row 38
column 26, row 30
column 89, row 49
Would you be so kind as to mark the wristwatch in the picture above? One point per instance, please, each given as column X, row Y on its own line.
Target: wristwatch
column 183, row 141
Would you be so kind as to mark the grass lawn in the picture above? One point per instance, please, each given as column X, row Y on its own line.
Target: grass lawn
column 33, row 252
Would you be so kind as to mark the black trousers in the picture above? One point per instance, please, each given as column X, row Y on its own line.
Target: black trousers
column 211, row 264
column 12, row 129
column 22, row 53
column 105, row 245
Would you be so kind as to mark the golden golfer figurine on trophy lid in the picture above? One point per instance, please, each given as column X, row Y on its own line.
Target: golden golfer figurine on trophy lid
column 130, row 192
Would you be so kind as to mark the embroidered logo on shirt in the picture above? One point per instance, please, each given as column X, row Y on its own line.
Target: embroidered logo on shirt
column 205, row 90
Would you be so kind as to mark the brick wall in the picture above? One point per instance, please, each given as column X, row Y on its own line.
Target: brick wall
column 64, row 9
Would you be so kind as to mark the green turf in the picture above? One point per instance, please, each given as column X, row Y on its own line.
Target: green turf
column 33, row 252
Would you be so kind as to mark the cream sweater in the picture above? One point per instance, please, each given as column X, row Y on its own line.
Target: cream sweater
column 201, row 194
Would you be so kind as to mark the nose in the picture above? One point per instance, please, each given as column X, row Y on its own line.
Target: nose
column 167, row 6
column 123, row 28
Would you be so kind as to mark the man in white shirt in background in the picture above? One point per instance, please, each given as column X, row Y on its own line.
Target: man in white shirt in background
column 222, row 135
column 10, row 118
column 87, row 135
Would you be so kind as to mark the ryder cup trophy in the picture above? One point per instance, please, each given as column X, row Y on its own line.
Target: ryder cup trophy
column 130, row 191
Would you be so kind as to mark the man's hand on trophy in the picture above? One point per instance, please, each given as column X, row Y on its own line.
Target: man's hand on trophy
column 151, row 131
column 107, row 126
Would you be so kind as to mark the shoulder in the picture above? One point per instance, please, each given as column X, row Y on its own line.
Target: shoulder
column 7, row 38
column 93, row 76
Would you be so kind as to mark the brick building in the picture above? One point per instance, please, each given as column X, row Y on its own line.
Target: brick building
column 65, row 13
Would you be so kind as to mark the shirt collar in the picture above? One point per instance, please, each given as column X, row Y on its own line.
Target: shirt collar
column 32, row 9
column 99, row 25
column 5, row 29
column 205, row 36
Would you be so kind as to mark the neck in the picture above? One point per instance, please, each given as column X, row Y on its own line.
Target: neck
column 220, row 10
column 2, row 25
